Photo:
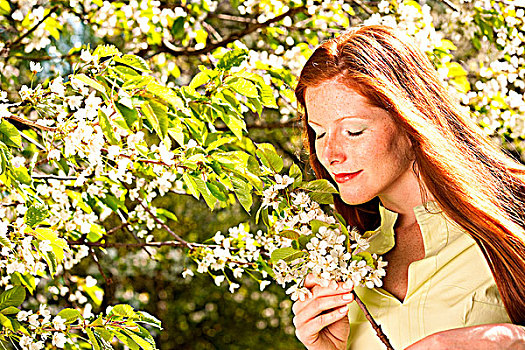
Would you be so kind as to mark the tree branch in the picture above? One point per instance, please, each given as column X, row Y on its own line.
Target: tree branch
column 31, row 123
column 54, row 177
column 363, row 6
column 175, row 51
column 127, row 245
column 15, row 43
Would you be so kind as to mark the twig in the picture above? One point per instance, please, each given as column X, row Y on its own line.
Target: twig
column 95, row 258
column 374, row 324
column 451, row 5
column 31, row 123
column 54, row 177
column 31, row 30
column 166, row 227
column 29, row 139
column 363, row 6
column 235, row 18
column 138, row 241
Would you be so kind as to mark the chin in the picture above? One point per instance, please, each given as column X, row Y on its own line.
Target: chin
column 356, row 200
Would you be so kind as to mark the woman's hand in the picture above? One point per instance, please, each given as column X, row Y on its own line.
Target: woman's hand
column 487, row 337
column 321, row 321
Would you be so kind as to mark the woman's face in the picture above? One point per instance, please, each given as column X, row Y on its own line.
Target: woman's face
column 358, row 144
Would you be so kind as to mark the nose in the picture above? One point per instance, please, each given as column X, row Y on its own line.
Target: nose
column 333, row 149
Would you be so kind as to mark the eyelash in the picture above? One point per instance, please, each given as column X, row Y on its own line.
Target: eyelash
column 349, row 133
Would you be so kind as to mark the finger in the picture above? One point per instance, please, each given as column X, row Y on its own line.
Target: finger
column 310, row 281
column 318, row 292
column 312, row 328
column 332, row 289
column 320, row 305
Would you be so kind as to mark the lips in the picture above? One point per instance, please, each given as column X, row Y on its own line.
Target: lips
column 345, row 177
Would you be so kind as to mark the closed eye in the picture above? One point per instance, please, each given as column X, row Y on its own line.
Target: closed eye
column 317, row 137
column 353, row 134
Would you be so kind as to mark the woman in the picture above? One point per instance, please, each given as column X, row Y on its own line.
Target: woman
column 381, row 127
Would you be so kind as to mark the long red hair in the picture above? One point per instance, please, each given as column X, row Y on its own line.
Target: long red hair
column 473, row 181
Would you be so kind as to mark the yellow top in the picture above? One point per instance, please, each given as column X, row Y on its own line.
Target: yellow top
column 451, row 287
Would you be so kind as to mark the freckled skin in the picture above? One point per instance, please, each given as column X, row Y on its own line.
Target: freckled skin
column 382, row 152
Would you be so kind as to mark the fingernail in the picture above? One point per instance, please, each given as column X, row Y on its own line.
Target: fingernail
column 344, row 309
column 347, row 296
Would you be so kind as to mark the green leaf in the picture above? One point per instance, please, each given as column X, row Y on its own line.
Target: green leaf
column 296, row 174
column 321, row 198
column 292, row 234
column 232, row 58
column 27, row 280
column 9, row 134
column 204, row 190
column 287, row 254
column 315, row 225
column 101, row 334
column 244, row 87
column 105, row 51
column 166, row 213
column 266, row 93
column 234, row 123
column 199, row 79
column 10, row 310
column 143, row 343
column 90, row 82
column 92, row 339
column 107, row 128
column 12, row 297
column 216, row 191
column 5, row 9
column 58, row 244
column 148, row 319
column 243, row 192
column 165, row 94
column 21, row 174
column 6, row 322
column 191, row 185
column 96, row 232
column 270, row 158
column 131, row 116
column 126, row 340
column 320, row 185
column 36, row 213
column 51, row 260
column 124, row 310
column 70, row 315
column 365, row 256
column 134, row 62
column 5, row 242
column 156, row 114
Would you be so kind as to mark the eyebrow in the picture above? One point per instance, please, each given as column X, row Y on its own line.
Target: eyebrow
column 339, row 119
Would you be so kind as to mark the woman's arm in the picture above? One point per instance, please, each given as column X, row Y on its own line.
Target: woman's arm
column 487, row 337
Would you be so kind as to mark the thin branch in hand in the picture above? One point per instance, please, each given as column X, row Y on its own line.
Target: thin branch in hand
column 374, row 324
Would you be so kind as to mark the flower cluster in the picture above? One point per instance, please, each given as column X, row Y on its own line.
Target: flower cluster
column 302, row 239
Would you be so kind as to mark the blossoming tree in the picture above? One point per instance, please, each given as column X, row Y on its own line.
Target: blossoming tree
column 112, row 113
